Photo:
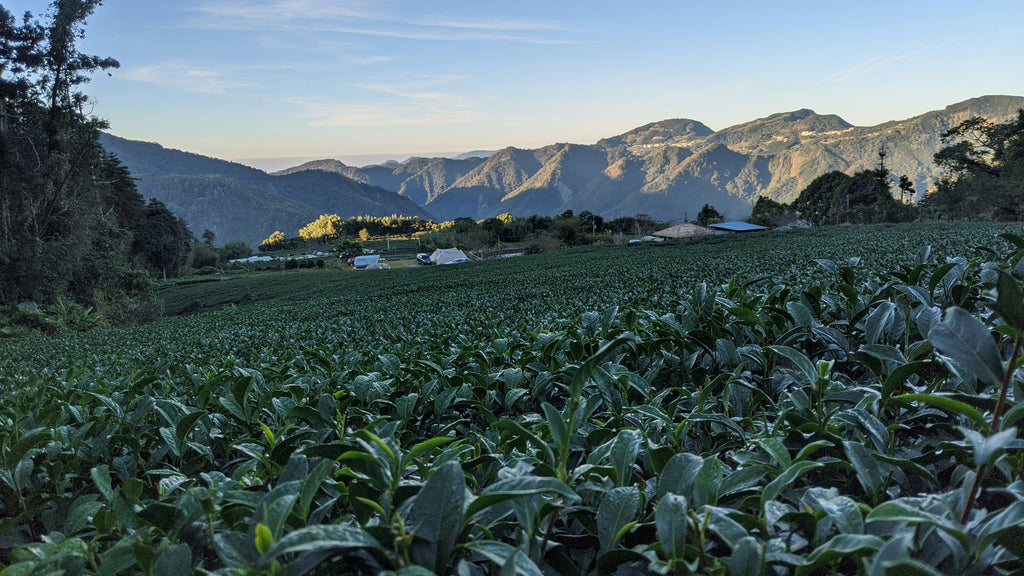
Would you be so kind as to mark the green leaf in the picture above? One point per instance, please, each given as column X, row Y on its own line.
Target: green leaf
column 618, row 507
column 583, row 373
column 910, row 567
column 499, row 553
column 321, row 537
column 800, row 360
column 837, row 549
column 436, row 514
column 985, row 448
column 622, row 454
column 868, row 473
column 1009, row 303
column 264, row 538
column 424, row 446
column 185, row 426
column 720, row 523
column 24, row 444
column 879, row 321
column 948, row 405
column 679, row 474
column 786, row 478
column 176, row 560
column 516, row 487
column 672, row 522
column 968, row 342
column 899, row 511
column 557, row 426
column 776, row 449
column 747, row 558
column 707, row 482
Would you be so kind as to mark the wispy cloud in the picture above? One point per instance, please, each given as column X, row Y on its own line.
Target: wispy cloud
column 183, row 76
column 412, row 103
column 870, row 66
column 363, row 18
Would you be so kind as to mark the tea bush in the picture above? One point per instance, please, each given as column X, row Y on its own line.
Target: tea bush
column 836, row 401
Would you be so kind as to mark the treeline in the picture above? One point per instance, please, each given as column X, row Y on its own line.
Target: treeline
column 73, row 228
column 982, row 179
column 542, row 233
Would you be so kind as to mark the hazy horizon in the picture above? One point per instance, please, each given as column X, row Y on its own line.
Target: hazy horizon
column 272, row 79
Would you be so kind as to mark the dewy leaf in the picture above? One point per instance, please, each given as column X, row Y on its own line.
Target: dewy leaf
column 968, row 342
column 900, row 511
column 986, row 448
column 436, row 514
column 671, row 520
column 516, row 487
column 801, row 361
column 500, row 553
column 1009, row 303
column 557, row 426
column 746, row 559
column 868, row 472
column 321, row 537
column 879, row 321
column 618, row 508
column 623, row 454
column 786, row 478
column 579, row 379
column 176, row 560
column 839, row 547
column 679, row 474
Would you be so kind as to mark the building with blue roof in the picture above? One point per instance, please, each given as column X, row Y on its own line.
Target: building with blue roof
column 736, row 227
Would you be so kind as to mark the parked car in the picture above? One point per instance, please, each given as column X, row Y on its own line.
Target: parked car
column 424, row 259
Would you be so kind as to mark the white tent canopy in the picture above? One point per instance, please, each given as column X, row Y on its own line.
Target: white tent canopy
column 446, row 255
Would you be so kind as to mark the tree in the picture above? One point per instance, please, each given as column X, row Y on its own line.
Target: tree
column 768, row 212
column 234, row 250
column 708, row 215
column 273, row 242
column 906, row 187
column 364, row 235
column 162, row 242
column 983, row 171
column 67, row 207
column 820, row 203
column 208, row 237
column 326, row 227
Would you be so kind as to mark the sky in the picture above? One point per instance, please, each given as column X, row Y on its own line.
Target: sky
column 272, row 83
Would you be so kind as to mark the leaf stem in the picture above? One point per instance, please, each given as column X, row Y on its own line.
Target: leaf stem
column 997, row 414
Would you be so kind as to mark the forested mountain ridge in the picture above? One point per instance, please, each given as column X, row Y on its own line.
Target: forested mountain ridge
column 670, row 168
column 673, row 167
column 239, row 202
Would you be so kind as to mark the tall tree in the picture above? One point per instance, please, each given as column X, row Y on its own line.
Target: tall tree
column 67, row 208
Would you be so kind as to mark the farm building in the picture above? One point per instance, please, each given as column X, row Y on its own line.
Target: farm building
column 736, row 227
column 684, row 232
column 448, row 256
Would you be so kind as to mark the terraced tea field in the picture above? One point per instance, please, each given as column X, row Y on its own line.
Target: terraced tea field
column 836, row 400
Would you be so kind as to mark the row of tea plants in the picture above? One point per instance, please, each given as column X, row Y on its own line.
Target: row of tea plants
column 862, row 418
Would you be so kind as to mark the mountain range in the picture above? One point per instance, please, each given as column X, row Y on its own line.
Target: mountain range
column 668, row 169
column 239, row 202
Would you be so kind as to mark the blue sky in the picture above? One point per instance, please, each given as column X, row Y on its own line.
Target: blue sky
column 365, row 80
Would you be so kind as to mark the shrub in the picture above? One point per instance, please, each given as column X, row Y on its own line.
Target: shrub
column 72, row 316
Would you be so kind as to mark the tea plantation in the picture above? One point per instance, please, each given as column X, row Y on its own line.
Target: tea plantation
column 827, row 401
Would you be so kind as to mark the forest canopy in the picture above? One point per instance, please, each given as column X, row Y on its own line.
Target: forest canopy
column 72, row 224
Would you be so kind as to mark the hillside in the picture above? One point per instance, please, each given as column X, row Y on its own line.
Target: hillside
column 239, row 202
column 673, row 167
column 669, row 168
